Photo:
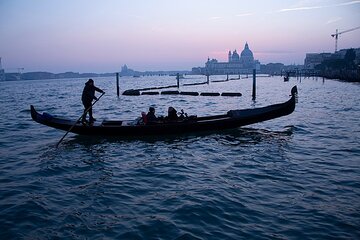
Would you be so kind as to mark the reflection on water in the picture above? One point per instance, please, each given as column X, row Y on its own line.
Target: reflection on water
column 240, row 135
column 291, row 177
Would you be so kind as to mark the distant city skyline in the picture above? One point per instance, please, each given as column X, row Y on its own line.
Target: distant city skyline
column 101, row 36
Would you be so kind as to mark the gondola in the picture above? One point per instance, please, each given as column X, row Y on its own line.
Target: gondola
column 232, row 119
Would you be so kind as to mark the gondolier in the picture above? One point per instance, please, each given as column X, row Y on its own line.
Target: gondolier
column 88, row 95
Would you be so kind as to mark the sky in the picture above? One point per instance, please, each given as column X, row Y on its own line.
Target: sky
column 102, row 35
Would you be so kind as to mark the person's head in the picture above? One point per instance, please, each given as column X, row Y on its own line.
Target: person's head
column 90, row 82
column 170, row 109
column 151, row 109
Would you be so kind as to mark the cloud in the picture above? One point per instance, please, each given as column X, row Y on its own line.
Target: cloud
column 300, row 8
column 333, row 20
column 348, row 3
column 318, row 7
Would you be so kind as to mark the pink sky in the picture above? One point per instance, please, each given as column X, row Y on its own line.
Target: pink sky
column 101, row 36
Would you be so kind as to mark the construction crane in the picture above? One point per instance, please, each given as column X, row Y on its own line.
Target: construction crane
column 336, row 35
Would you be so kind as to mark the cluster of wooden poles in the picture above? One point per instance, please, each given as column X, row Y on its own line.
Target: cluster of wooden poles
column 147, row 91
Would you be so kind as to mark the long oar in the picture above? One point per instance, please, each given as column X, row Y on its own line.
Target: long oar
column 79, row 119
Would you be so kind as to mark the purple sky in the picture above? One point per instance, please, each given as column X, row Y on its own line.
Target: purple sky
column 103, row 35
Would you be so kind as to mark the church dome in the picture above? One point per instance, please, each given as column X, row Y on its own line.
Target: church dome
column 235, row 56
column 246, row 52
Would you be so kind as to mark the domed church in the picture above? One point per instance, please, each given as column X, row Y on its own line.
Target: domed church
column 247, row 57
column 234, row 57
column 237, row 64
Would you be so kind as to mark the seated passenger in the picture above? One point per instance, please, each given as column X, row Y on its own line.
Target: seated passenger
column 141, row 120
column 150, row 116
column 172, row 114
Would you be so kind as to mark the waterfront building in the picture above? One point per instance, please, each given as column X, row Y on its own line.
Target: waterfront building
column 125, row 71
column 236, row 64
column 314, row 59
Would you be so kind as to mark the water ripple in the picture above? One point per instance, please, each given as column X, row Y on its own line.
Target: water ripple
column 295, row 177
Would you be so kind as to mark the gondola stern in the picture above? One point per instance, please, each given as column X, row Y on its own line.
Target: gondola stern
column 34, row 113
column 40, row 118
column 293, row 100
column 294, row 91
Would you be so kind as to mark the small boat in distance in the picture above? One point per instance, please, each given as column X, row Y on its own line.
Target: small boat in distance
column 229, row 120
column 287, row 77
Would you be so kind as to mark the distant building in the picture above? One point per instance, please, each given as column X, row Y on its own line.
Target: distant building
column 314, row 59
column 236, row 64
column 341, row 54
column 197, row 70
column 125, row 71
column 272, row 68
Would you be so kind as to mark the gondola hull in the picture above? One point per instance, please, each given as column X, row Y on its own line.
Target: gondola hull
column 232, row 119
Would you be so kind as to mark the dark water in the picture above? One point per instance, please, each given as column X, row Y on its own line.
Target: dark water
column 296, row 177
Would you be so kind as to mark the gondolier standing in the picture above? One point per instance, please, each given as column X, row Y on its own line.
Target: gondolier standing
column 88, row 95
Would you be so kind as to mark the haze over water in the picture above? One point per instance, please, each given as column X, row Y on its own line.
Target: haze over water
column 296, row 177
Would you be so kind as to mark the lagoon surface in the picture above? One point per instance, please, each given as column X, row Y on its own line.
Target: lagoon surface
column 296, row 177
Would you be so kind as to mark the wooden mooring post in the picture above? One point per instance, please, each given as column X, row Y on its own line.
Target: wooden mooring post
column 178, row 79
column 117, row 85
column 254, row 85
